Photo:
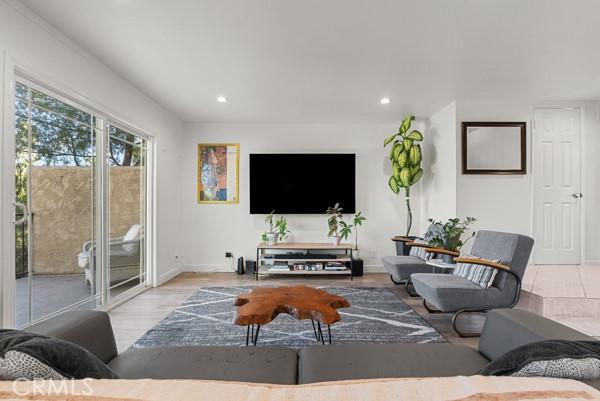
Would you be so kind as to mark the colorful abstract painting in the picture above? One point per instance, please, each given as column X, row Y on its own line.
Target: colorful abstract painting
column 218, row 166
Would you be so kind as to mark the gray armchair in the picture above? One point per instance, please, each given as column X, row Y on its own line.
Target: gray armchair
column 401, row 267
column 450, row 293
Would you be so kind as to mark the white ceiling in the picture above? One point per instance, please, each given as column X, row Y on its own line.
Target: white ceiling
column 311, row 61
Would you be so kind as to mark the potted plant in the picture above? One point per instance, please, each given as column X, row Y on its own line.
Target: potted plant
column 405, row 157
column 357, row 221
column 338, row 228
column 333, row 222
column 449, row 235
column 281, row 226
column 276, row 230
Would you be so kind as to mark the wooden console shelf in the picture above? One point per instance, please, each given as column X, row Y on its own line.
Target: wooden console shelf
column 262, row 256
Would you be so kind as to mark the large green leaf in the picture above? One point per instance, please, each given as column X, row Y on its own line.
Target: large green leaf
column 415, row 135
column 394, row 185
column 398, row 148
column 388, row 140
column 402, row 159
column 405, row 177
column 406, row 124
column 416, row 176
column 414, row 155
column 396, row 169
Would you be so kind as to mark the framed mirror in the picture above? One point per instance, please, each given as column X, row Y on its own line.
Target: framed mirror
column 494, row 147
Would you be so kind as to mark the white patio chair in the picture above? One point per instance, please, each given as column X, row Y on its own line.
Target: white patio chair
column 124, row 256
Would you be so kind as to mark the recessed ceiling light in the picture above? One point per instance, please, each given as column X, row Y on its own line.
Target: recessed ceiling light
column 222, row 99
column 385, row 100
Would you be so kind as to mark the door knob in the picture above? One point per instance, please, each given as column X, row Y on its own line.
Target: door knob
column 577, row 195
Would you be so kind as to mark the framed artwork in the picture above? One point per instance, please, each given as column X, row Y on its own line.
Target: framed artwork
column 218, row 173
column 494, row 147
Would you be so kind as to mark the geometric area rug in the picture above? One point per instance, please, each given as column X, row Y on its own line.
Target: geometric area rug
column 376, row 315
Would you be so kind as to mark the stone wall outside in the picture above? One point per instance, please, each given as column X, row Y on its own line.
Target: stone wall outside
column 62, row 205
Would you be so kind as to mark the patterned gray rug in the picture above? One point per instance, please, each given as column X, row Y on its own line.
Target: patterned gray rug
column 376, row 315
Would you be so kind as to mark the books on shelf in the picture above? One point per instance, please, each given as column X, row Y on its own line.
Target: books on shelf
column 335, row 266
column 279, row 268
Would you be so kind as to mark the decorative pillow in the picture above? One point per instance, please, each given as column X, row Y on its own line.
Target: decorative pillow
column 19, row 366
column 578, row 360
column 32, row 356
column 419, row 251
column 479, row 274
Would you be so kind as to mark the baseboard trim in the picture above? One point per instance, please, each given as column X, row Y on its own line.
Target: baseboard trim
column 163, row 278
column 208, row 268
column 374, row 269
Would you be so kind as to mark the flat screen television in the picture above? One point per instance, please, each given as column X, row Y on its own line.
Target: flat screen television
column 301, row 183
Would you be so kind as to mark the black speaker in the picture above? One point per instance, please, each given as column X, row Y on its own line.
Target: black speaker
column 250, row 266
column 240, row 266
column 357, row 267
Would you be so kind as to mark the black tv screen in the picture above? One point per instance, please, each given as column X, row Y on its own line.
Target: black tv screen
column 301, row 183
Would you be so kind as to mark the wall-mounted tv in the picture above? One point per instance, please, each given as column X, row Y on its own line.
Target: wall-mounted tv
column 301, row 183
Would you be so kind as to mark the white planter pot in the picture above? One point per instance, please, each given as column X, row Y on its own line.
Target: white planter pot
column 336, row 240
column 272, row 238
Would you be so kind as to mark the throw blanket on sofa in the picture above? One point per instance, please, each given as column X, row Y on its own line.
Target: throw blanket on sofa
column 426, row 389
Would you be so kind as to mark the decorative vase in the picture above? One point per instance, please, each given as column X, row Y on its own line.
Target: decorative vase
column 272, row 238
column 335, row 240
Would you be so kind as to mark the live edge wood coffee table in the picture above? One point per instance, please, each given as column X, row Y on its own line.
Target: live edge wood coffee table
column 261, row 305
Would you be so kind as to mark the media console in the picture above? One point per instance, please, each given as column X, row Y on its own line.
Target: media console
column 297, row 258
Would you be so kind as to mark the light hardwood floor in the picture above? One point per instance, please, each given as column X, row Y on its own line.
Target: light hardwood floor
column 133, row 318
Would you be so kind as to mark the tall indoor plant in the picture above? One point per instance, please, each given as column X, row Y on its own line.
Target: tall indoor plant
column 405, row 157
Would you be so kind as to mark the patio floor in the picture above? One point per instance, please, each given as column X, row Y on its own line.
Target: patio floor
column 51, row 293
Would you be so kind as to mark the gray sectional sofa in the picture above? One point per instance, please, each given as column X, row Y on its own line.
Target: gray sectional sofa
column 504, row 330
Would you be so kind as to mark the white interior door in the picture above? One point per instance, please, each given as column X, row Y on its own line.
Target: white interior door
column 557, row 186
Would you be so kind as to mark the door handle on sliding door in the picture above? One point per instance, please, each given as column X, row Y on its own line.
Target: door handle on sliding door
column 23, row 219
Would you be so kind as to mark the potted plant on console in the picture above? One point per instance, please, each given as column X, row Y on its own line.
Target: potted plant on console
column 276, row 230
column 357, row 221
column 333, row 222
column 338, row 228
column 449, row 235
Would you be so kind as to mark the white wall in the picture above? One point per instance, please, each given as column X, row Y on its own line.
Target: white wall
column 210, row 230
column 38, row 48
column 591, row 180
column 503, row 202
column 498, row 202
column 438, row 190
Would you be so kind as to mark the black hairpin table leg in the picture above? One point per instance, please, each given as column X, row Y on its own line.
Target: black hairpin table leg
column 251, row 336
column 318, row 331
column 315, row 330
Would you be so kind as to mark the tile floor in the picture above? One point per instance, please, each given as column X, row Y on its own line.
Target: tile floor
column 570, row 294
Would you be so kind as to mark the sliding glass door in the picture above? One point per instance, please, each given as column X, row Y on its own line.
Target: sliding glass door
column 63, row 180
column 127, row 210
